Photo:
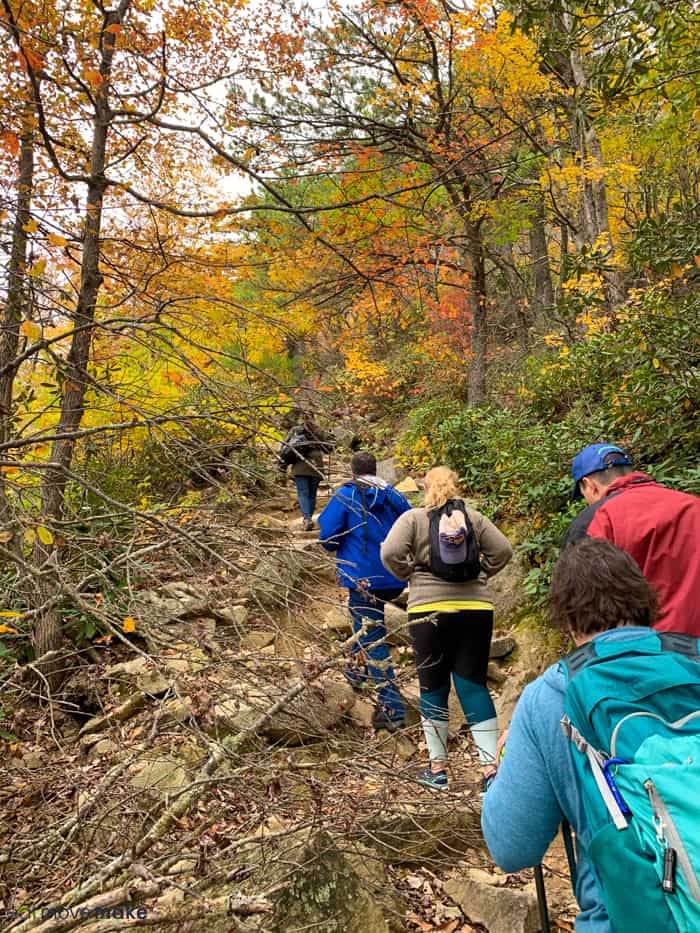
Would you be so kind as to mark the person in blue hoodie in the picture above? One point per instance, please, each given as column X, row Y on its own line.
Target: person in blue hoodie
column 353, row 526
column 598, row 593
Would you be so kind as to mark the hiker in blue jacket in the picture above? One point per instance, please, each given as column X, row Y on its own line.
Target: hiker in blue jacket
column 353, row 526
column 598, row 595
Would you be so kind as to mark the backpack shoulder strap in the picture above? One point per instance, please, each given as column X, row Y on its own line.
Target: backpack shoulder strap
column 676, row 642
column 687, row 645
column 365, row 532
column 577, row 659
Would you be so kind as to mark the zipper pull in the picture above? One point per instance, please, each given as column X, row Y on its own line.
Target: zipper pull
column 668, row 882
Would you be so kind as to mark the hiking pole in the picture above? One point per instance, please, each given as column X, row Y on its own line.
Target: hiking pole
column 570, row 853
column 541, row 899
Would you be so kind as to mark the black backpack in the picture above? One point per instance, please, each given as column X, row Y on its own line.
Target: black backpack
column 296, row 447
column 454, row 550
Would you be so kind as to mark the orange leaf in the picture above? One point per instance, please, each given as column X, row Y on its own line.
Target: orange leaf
column 33, row 60
column 10, row 141
column 115, row 29
column 93, row 77
column 129, row 624
column 7, row 630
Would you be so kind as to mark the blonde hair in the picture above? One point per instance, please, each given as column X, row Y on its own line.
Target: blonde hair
column 440, row 487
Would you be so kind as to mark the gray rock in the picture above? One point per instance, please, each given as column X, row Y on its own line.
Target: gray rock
column 390, row 471
column 103, row 747
column 331, row 891
column 140, row 673
column 234, row 615
column 256, row 641
column 177, row 709
column 495, row 674
column 308, row 716
column 415, row 834
column 506, row 701
column 162, row 775
column 337, row 620
column 396, row 621
column 484, row 899
column 501, row 647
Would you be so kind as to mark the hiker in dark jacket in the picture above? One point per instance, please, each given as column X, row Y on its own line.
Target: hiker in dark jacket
column 353, row 526
column 303, row 449
column 659, row 527
column 451, row 624
column 598, row 595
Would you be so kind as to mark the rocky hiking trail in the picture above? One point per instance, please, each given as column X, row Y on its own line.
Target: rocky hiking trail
column 214, row 767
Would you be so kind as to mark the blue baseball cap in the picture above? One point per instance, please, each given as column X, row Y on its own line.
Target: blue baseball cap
column 593, row 458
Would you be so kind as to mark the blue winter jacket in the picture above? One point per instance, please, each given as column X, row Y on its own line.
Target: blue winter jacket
column 536, row 788
column 354, row 533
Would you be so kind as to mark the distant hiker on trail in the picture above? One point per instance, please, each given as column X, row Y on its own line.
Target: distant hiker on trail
column 447, row 552
column 608, row 739
column 352, row 526
column 303, row 450
column 659, row 527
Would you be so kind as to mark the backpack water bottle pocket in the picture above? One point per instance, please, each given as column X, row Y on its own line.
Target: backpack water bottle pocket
column 624, row 864
column 662, row 795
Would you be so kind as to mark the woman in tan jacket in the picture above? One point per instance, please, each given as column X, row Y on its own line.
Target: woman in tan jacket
column 451, row 620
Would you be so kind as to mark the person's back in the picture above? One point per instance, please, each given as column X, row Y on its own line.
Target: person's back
column 609, row 739
column 353, row 526
column 660, row 528
column 657, row 526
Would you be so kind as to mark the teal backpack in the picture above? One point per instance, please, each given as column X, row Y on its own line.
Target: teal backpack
column 633, row 716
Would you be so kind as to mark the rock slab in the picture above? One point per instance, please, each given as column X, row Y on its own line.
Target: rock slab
column 484, row 900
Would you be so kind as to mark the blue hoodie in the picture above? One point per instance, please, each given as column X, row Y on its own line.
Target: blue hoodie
column 354, row 533
column 536, row 788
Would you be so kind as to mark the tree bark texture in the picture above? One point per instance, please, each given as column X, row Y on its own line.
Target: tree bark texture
column 16, row 304
column 47, row 632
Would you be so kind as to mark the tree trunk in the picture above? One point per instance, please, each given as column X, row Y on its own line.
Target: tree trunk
column 594, row 215
column 473, row 257
column 47, row 631
column 542, row 289
column 14, row 308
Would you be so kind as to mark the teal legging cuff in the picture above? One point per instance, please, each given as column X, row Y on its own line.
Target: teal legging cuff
column 474, row 699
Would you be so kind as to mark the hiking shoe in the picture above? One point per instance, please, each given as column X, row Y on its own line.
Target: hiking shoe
column 381, row 719
column 309, row 525
column 436, row 780
column 356, row 676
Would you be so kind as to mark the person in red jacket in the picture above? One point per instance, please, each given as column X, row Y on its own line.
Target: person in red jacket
column 657, row 526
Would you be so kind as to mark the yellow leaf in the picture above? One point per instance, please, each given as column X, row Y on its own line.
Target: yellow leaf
column 676, row 270
column 37, row 268
column 31, row 226
column 29, row 536
column 7, row 630
column 56, row 240
column 30, row 329
column 129, row 624
column 10, row 614
column 655, row 363
column 44, row 534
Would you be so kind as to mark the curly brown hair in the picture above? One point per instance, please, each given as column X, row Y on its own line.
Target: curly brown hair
column 597, row 586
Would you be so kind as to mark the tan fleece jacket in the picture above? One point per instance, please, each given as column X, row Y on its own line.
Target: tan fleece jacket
column 408, row 545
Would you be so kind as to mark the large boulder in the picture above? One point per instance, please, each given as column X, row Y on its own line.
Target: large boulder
column 484, row 899
column 331, row 891
column 417, row 833
column 308, row 716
